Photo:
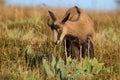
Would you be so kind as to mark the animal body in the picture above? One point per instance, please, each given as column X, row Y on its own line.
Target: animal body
column 77, row 28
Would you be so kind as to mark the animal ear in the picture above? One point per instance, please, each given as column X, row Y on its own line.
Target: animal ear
column 52, row 15
column 66, row 18
column 48, row 22
column 78, row 11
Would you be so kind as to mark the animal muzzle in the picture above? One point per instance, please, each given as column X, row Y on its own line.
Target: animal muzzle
column 57, row 41
column 57, row 37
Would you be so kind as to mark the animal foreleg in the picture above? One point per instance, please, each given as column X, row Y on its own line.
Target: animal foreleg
column 65, row 48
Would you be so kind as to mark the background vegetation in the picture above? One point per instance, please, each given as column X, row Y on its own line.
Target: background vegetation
column 24, row 30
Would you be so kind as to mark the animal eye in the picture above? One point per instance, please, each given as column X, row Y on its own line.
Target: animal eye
column 56, row 26
column 60, row 30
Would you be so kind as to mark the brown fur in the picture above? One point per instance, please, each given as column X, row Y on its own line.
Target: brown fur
column 76, row 23
column 81, row 28
column 74, row 13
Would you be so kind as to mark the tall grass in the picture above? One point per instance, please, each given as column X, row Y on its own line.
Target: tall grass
column 22, row 27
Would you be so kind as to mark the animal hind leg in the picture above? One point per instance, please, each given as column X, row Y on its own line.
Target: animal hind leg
column 83, row 50
column 80, row 51
column 90, row 49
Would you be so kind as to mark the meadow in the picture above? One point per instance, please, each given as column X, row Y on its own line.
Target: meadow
column 23, row 30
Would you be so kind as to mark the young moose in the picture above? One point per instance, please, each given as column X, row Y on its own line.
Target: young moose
column 76, row 27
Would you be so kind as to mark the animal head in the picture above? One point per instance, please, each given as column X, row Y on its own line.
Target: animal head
column 57, row 25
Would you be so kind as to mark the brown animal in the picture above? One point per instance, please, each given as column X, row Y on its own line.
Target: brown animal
column 76, row 26
column 74, row 13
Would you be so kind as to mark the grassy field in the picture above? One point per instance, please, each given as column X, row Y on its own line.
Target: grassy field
column 25, row 28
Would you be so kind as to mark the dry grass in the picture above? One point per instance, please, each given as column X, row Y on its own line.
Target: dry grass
column 26, row 26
